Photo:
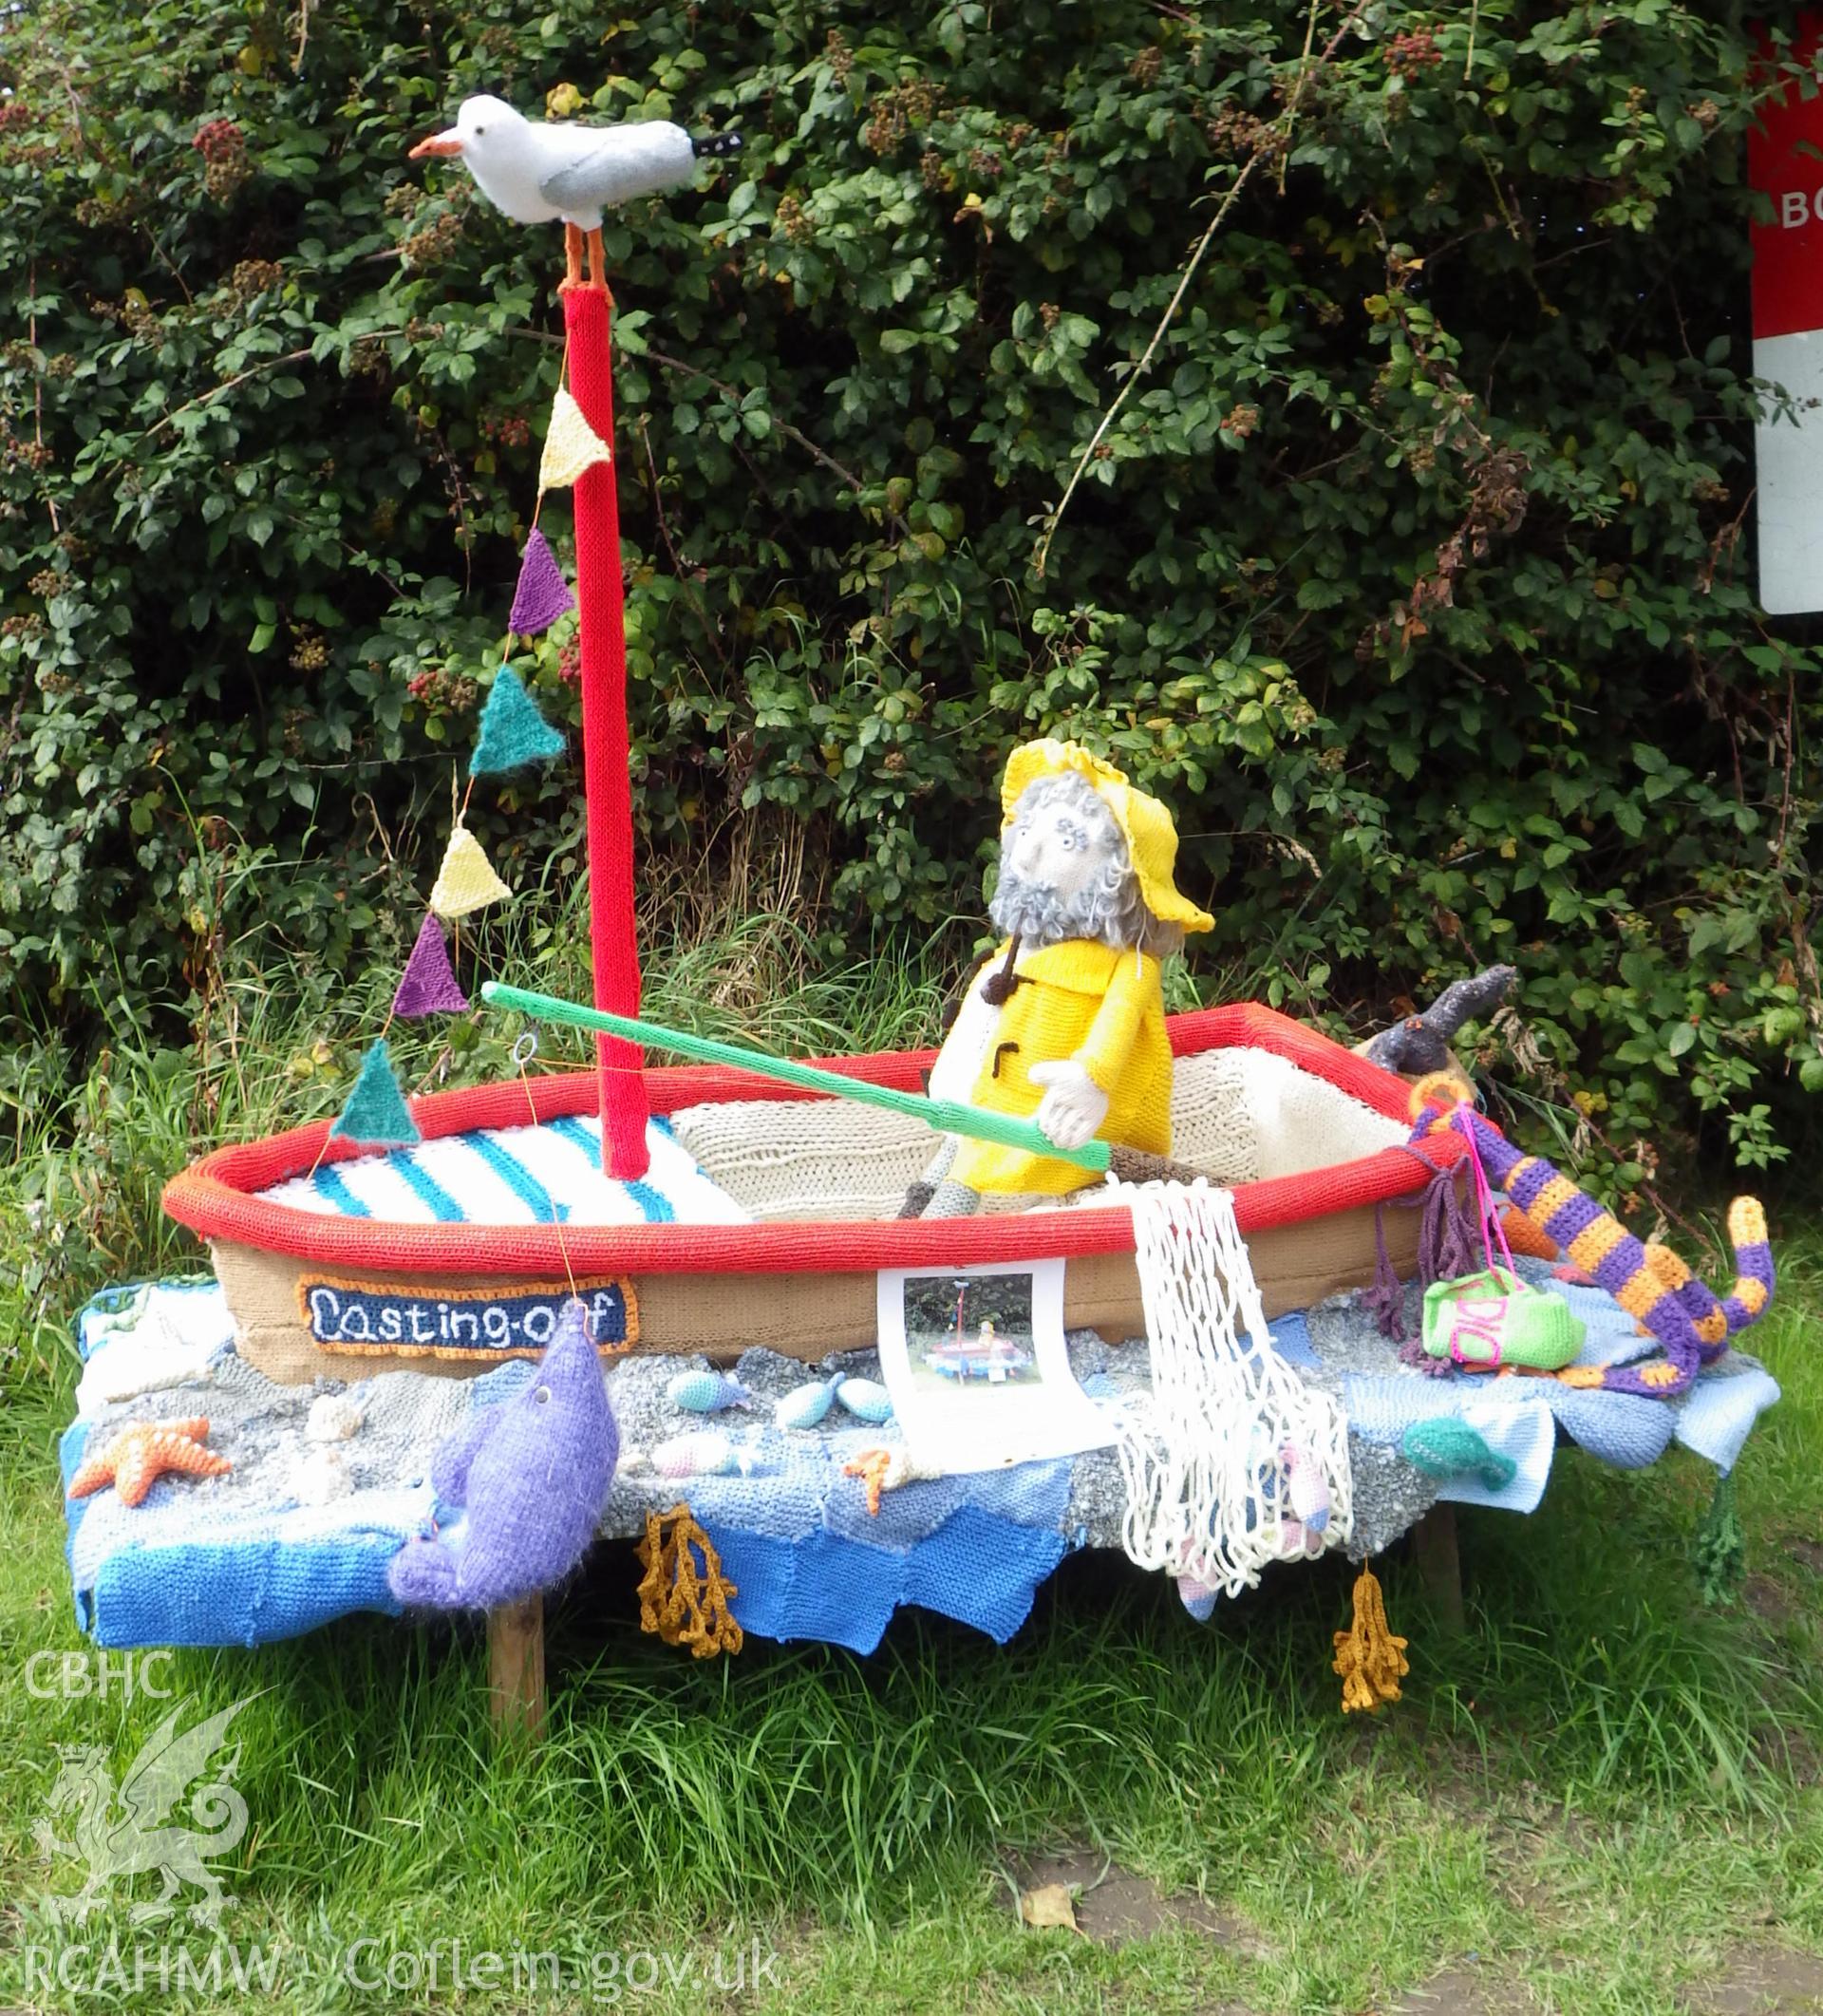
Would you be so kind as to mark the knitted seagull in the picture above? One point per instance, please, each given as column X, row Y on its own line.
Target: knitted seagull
column 536, row 173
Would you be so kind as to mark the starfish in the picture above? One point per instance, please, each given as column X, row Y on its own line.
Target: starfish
column 872, row 1466
column 137, row 1457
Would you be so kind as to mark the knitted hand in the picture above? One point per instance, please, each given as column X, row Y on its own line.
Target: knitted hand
column 1072, row 1106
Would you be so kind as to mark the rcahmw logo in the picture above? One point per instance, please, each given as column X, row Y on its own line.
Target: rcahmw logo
column 114, row 1969
column 132, row 1828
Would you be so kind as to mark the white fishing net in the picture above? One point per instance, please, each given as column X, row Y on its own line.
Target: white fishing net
column 1225, row 1458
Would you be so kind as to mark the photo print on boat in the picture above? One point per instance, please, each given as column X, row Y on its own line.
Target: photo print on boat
column 976, row 1363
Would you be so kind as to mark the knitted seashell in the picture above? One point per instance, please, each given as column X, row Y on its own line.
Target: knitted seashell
column 703, row 1453
column 333, row 1418
column 808, row 1405
column 702, row 1392
column 866, row 1398
column 320, row 1475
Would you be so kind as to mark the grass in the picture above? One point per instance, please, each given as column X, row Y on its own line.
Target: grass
column 1603, row 1792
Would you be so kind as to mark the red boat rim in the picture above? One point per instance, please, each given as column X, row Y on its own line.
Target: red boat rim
column 215, row 1196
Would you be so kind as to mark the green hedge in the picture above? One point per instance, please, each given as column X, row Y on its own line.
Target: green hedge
column 1416, row 574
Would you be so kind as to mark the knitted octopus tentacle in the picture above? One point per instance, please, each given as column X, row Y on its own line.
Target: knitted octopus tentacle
column 1755, row 1281
column 1649, row 1282
column 1715, row 1322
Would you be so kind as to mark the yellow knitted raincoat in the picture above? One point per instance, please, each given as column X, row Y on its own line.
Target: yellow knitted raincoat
column 1106, row 1008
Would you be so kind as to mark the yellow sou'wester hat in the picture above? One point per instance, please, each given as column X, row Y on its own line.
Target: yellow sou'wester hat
column 1144, row 823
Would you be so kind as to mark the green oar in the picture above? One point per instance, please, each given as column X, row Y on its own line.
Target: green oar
column 945, row 1116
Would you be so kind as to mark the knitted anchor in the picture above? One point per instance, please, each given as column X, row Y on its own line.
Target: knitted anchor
column 1649, row 1282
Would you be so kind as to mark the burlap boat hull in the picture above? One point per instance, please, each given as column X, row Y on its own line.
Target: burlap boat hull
column 1309, row 1137
column 802, row 1316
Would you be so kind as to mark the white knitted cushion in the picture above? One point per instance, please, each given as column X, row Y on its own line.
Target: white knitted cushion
column 807, row 1158
column 1238, row 1115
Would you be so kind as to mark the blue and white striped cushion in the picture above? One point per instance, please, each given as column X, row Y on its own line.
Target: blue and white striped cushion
column 544, row 1174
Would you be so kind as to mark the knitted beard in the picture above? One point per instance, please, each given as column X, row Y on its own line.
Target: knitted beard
column 1108, row 908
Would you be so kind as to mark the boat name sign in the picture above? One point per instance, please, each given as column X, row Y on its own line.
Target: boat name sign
column 407, row 1320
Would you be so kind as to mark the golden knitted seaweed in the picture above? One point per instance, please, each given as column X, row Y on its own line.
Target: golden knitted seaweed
column 1370, row 1661
column 680, row 1605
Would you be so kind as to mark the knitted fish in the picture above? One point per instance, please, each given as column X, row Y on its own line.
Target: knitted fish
column 1307, row 1488
column 1446, row 1446
column 534, row 1474
column 705, row 1452
column 807, row 1405
column 1197, row 1597
column 1650, row 1283
column 1297, row 1540
column 700, row 1392
column 866, row 1398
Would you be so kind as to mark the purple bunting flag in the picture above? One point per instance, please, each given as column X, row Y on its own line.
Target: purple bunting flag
column 428, row 986
column 542, row 594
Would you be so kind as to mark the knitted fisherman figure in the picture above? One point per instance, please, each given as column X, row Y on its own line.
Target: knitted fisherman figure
column 1064, row 1025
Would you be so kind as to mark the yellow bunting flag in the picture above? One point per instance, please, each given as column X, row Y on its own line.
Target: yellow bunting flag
column 571, row 446
column 465, row 881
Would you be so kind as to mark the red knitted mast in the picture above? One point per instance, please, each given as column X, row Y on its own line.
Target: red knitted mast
column 607, row 781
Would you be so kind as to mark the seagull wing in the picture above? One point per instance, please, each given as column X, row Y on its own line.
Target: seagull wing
column 624, row 162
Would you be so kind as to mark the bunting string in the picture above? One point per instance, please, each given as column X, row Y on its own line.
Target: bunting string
column 511, row 734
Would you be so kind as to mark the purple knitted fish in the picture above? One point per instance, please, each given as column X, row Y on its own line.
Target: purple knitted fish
column 533, row 1474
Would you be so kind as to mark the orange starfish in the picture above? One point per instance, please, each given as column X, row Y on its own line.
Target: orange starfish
column 875, row 1467
column 136, row 1458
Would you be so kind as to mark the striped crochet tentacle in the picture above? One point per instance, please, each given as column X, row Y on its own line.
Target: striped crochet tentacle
column 1755, row 1280
column 1649, row 1282
column 1595, row 1240
column 1715, row 1322
column 1705, row 1313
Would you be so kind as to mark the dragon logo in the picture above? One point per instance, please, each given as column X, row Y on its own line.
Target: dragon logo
column 126, row 1830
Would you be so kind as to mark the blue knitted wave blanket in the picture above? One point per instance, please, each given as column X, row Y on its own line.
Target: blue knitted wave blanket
column 301, row 1530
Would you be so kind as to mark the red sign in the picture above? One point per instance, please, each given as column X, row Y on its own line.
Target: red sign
column 1785, row 159
column 1785, row 163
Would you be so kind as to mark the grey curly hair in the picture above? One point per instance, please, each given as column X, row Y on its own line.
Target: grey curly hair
column 1111, row 909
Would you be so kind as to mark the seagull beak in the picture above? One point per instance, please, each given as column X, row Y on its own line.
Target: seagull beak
column 445, row 145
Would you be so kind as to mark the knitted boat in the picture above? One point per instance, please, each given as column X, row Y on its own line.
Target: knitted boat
column 767, row 1212
column 723, row 1211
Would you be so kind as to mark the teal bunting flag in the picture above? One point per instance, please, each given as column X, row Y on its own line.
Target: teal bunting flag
column 513, row 733
column 376, row 1114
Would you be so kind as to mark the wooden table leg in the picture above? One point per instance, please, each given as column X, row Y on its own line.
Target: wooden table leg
column 1435, row 1549
column 517, row 1697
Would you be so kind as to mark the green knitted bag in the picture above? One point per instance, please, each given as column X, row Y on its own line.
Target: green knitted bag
column 1493, row 1318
